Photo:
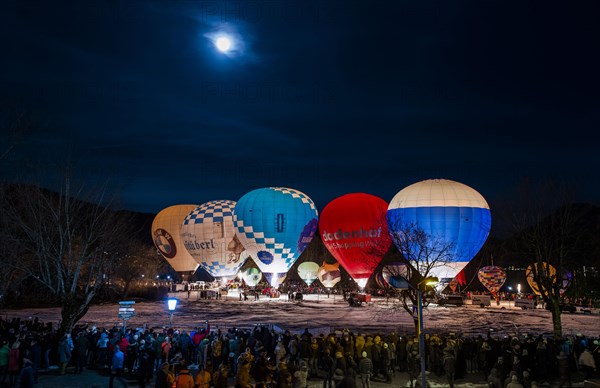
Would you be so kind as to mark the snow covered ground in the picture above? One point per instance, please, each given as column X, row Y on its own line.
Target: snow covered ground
column 321, row 314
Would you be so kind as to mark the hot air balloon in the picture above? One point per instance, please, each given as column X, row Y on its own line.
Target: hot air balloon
column 381, row 281
column 166, row 234
column 546, row 270
column 439, row 220
column 252, row 276
column 395, row 274
column 275, row 278
column 275, row 225
column 308, row 272
column 492, row 278
column 209, row 236
column 329, row 274
column 354, row 230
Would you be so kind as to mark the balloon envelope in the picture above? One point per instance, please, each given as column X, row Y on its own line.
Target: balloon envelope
column 353, row 228
column 275, row 279
column 252, row 276
column 329, row 274
column 275, row 225
column 492, row 278
column 452, row 215
column 308, row 272
column 166, row 234
column 546, row 270
column 209, row 236
column 395, row 274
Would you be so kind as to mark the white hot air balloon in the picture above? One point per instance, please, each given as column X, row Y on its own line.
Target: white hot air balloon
column 209, row 236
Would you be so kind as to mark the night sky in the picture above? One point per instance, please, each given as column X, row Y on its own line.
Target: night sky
column 325, row 97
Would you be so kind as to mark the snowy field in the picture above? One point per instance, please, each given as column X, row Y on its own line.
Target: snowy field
column 322, row 314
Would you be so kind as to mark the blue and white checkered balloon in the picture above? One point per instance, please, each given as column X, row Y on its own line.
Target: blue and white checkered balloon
column 275, row 225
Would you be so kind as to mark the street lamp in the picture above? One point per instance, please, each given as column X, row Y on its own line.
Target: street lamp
column 171, row 305
column 430, row 281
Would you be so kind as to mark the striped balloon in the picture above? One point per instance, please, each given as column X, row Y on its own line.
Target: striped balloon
column 450, row 214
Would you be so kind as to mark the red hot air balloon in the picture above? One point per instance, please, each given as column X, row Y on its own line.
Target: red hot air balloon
column 353, row 228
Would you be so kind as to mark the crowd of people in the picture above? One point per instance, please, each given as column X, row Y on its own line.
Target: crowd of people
column 261, row 357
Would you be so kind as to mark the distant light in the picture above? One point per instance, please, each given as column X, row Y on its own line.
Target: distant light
column 172, row 304
column 223, row 44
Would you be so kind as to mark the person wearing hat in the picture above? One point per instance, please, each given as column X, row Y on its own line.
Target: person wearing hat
column 116, row 368
column 365, row 368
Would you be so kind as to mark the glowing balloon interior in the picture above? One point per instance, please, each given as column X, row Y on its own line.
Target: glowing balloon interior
column 275, row 279
column 275, row 225
column 492, row 278
column 252, row 276
column 354, row 230
column 166, row 234
column 209, row 236
column 395, row 275
column 308, row 272
column 329, row 274
column 450, row 214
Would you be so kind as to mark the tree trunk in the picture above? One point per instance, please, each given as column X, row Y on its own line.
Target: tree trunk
column 72, row 310
column 556, row 321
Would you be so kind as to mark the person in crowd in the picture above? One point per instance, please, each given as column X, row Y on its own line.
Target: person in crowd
column 82, row 346
column 184, row 378
column 365, row 368
column 203, row 378
column 64, row 354
column 449, row 362
column 587, row 363
column 26, row 378
column 4, row 350
column 117, row 367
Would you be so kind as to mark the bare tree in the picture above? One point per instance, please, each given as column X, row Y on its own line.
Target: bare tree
column 546, row 232
column 422, row 254
column 138, row 262
column 65, row 243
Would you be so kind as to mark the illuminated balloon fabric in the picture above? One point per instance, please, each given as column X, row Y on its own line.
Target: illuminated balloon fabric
column 353, row 228
column 166, row 234
column 275, row 225
column 252, row 276
column 329, row 274
column 381, row 281
column 275, row 279
column 308, row 272
column 209, row 236
column 395, row 274
column 549, row 271
column 492, row 278
column 448, row 212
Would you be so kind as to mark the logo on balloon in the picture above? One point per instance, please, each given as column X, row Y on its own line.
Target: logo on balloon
column 265, row 257
column 164, row 243
column 307, row 234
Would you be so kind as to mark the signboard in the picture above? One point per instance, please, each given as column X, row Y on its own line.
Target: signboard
column 126, row 309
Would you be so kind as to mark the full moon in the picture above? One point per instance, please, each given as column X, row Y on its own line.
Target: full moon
column 223, row 44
